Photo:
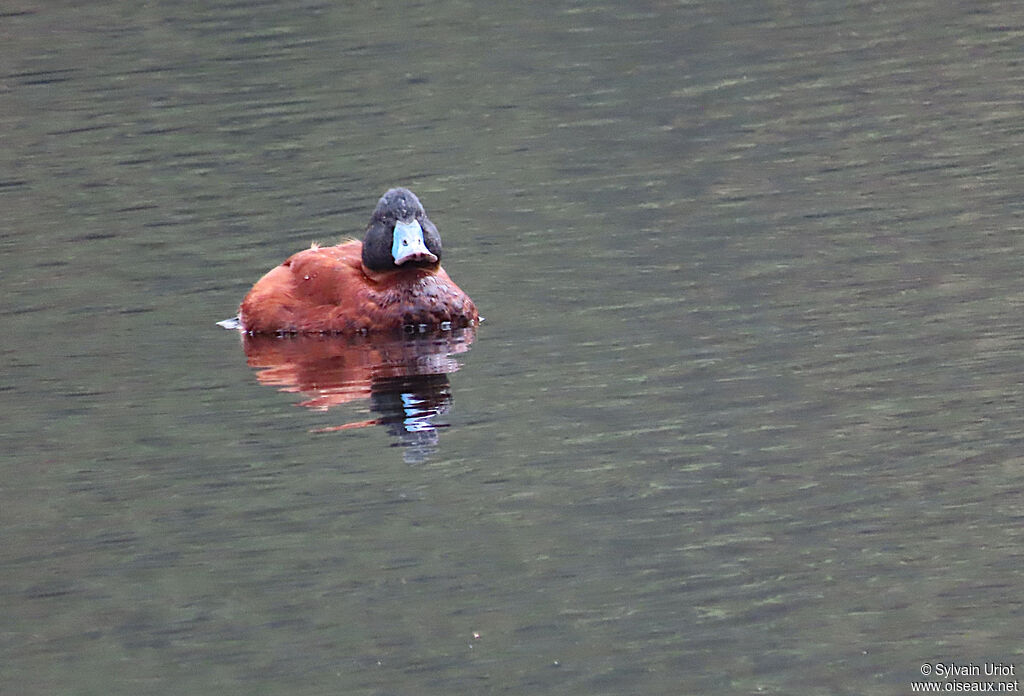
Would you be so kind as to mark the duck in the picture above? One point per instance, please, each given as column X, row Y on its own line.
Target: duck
column 392, row 280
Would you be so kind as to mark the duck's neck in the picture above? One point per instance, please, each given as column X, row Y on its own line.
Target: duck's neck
column 391, row 274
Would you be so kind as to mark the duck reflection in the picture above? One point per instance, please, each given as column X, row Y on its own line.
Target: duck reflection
column 404, row 377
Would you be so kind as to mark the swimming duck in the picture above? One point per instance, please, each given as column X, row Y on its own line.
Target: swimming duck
column 389, row 281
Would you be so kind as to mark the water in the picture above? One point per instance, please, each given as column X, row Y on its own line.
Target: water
column 743, row 418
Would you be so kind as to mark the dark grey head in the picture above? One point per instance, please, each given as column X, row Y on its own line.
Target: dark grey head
column 400, row 235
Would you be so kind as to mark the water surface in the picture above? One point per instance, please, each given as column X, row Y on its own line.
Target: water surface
column 744, row 416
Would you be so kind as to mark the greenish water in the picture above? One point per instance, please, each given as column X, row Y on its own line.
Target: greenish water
column 744, row 416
